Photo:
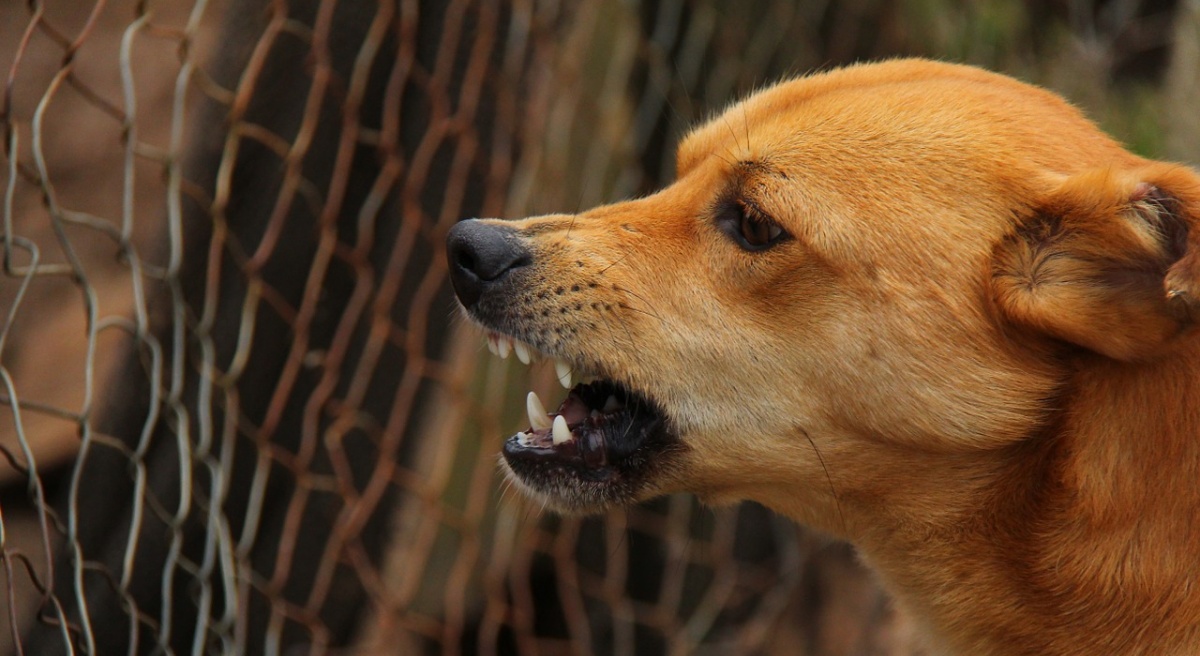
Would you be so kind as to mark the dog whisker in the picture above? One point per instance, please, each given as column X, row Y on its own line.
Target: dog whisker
column 649, row 311
column 612, row 264
column 732, row 133
column 828, row 479
column 746, row 123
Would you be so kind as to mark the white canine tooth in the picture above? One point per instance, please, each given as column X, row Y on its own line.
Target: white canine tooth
column 563, row 371
column 491, row 342
column 612, row 404
column 561, row 433
column 522, row 352
column 538, row 418
column 505, row 347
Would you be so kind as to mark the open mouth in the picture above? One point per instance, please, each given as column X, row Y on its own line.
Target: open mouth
column 599, row 446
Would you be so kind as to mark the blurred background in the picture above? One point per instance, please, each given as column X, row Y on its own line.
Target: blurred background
column 238, row 413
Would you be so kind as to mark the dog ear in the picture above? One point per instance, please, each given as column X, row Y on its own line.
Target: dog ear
column 1109, row 261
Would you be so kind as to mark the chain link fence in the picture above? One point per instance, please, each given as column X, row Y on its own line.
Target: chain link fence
column 238, row 412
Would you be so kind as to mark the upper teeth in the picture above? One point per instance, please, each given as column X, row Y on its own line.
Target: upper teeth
column 539, row 419
column 522, row 352
column 502, row 346
column 563, row 371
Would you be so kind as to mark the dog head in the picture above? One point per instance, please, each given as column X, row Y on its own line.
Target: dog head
column 855, row 274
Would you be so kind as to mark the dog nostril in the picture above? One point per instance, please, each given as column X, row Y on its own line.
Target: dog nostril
column 465, row 260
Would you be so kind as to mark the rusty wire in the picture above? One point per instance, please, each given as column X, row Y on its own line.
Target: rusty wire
column 238, row 414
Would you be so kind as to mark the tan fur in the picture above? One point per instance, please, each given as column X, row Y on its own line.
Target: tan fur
column 975, row 359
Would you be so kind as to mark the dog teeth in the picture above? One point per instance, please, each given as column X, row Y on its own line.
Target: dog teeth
column 560, row 433
column 522, row 352
column 539, row 419
column 611, row 405
column 563, row 371
column 502, row 346
column 523, row 438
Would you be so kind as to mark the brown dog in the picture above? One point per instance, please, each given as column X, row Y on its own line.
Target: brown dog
column 920, row 306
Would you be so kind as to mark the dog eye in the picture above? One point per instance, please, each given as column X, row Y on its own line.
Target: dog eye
column 756, row 231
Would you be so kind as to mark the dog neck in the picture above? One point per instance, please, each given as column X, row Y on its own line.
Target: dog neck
column 1081, row 533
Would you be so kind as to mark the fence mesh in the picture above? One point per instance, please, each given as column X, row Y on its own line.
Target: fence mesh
column 238, row 412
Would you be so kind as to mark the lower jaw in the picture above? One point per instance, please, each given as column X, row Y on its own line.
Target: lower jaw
column 569, row 494
column 608, row 459
column 586, row 455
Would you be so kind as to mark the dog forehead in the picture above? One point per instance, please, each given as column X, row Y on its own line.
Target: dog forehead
column 930, row 111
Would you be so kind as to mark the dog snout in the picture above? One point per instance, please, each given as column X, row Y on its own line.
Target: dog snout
column 481, row 255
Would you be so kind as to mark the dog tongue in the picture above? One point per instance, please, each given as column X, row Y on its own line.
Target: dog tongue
column 573, row 409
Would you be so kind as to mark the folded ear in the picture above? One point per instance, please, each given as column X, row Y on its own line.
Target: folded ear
column 1109, row 261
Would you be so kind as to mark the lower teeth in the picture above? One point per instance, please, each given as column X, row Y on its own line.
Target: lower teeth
column 544, row 425
column 560, row 433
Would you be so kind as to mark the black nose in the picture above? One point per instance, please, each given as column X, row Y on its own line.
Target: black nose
column 481, row 254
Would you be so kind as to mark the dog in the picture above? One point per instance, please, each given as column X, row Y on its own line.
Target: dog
column 920, row 306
